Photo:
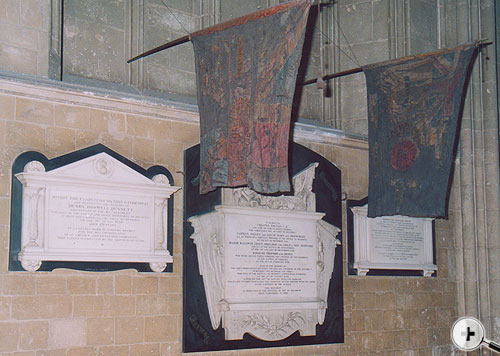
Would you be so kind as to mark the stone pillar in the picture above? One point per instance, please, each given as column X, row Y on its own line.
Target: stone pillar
column 475, row 194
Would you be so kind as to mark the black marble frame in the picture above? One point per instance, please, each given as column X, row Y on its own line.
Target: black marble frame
column 50, row 164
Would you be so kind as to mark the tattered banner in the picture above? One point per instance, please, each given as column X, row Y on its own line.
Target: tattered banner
column 246, row 72
column 414, row 107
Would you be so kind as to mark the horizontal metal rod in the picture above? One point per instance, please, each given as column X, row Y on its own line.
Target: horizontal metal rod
column 231, row 23
column 359, row 69
column 173, row 43
column 334, row 75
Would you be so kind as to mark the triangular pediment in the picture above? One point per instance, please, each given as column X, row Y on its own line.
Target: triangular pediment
column 101, row 166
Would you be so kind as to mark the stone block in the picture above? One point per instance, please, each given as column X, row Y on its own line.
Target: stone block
column 138, row 125
column 19, row 284
column 148, row 304
column 72, row 116
column 86, row 138
column 365, row 300
column 144, row 349
column 43, row 54
column 9, row 336
column 17, row 59
column 35, row 14
column 161, row 129
column 110, row 122
column 113, row 351
column 111, row 13
column 161, row 18
column 386, row 300
column 55, row 306
column 66, row 333
column 161, row 328
column 48, row 284
column 129, row 330
column 356, row 22
column 100, row 331
column 5, row 303
column 402, row 339
column 33, row 335
column 389, row 319
column 25, row 307
column 59, row 139
column 87, row 305
column 156, row 76
column 170, row 348
column 143, row 150
column 105, row 285
column 123, row 284
column 378, row 284
column 51, row 353
column 174, row 304
column 81, row 285
column 169, row 154
column 145, row 284
column 95, row 50
column 182, row 58
column 373, row 320
column 10, row 11
column 170, row 284
column 437, row 336
column 355, row 321
column 122, row 146
column 19, row 36
column 2, row 131
column 82, row 351
column 4, row 211
column 118, row 305
column 185, row 133
column 7, row 105
column 181, row 82
column 26, row 136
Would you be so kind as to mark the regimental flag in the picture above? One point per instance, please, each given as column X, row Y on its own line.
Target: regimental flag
column 246, row 71
column 414, row 107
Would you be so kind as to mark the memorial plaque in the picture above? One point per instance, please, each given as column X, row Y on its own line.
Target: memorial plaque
column 94, row 209
column 263, row 270
column 392, row 243
column 265, row 261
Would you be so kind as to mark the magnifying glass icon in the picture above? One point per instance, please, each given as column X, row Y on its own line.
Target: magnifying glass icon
column 467, row 334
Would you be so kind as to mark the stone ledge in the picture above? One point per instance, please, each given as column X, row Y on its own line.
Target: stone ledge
column 129, row 103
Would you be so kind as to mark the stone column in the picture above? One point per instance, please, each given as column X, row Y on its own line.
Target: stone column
column 475, row 193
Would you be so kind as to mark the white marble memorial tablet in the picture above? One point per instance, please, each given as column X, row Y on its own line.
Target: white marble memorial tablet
column 266, row 261
column 94, row 210
column 392, row 242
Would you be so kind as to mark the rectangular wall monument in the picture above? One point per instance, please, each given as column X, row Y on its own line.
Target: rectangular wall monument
column 94, row 209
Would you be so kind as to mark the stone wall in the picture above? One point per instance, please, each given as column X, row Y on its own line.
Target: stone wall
column 24, row 36
column 67, row 312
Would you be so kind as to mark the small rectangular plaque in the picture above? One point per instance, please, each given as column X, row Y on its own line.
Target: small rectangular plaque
column 392, row 243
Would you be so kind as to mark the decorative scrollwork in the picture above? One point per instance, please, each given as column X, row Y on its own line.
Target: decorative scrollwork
column 103, row 167
column 275, row 330
column 31, row 266
column 157, row 266
column 302, row 200
column 161, row 179
column 34, row 166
